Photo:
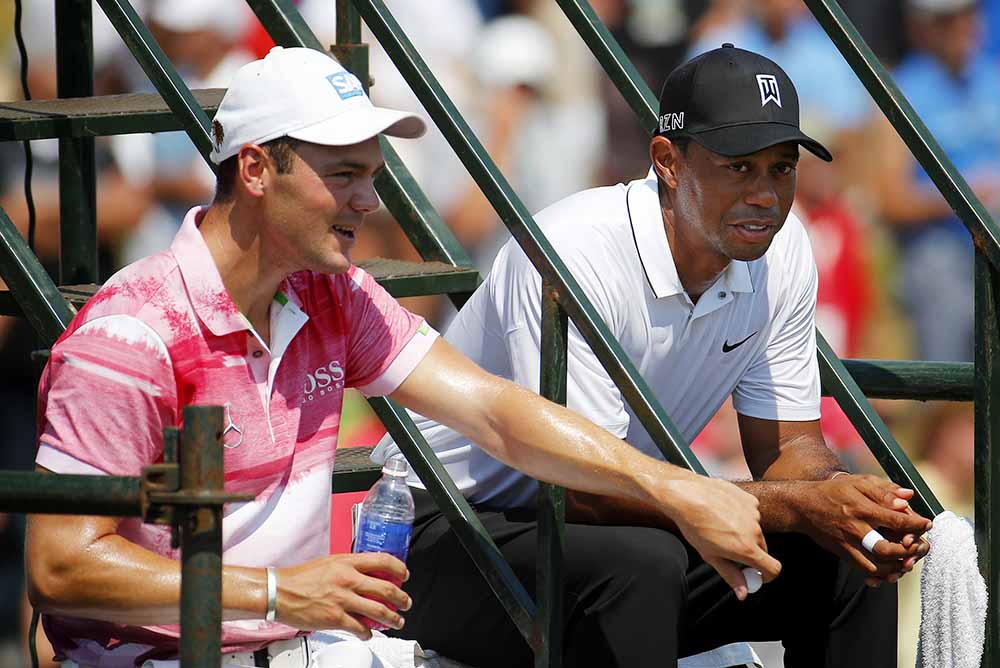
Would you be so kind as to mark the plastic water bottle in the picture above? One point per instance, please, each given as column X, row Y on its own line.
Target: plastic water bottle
column 386, row 519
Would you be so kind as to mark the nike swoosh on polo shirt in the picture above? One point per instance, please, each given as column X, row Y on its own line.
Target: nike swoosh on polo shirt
column 726, row 348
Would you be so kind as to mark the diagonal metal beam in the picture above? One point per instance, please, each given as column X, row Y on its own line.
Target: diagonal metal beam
column 33, row 289
column 161, row 72
column 984, row 230
column 521, row 225
column 461, row 517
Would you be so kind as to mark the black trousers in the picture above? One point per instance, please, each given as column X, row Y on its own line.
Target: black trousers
column 638, row 597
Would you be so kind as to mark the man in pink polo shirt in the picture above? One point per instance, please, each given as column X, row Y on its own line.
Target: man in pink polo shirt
column 256, row 307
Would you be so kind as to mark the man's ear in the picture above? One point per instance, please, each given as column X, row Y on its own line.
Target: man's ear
column 665, row 157
column 252, row 169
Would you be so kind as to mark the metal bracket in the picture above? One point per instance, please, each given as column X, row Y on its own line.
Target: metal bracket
column 162, row 494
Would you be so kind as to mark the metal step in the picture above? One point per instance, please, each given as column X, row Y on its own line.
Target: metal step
column 353, row 471
column 399, row 278
column 96, row 116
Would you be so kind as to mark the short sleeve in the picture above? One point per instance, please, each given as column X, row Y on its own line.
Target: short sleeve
column 386, row 342
column 589, row 390
column 105, row 396
column 783, row 382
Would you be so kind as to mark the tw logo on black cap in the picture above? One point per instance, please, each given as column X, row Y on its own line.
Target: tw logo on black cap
column 733, row 102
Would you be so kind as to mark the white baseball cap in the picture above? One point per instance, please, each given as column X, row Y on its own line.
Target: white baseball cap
column 304, row 94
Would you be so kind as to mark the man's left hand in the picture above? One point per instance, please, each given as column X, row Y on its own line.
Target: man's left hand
column 838, row 513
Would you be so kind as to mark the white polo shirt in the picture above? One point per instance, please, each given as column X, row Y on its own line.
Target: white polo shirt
column 751, row 335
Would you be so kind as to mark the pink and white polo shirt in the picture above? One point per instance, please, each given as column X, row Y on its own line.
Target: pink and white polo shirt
column 163, row 333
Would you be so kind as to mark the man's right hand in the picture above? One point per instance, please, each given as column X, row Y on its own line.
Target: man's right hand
column 837, row 513
column 335, row 592
column 722, row 523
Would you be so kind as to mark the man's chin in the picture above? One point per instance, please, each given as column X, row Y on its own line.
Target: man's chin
column 745, row 254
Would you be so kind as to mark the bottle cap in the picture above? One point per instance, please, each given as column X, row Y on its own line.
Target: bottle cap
column 395, row 467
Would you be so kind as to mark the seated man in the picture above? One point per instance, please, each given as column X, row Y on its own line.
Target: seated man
column 256, row 307
column 709, row 284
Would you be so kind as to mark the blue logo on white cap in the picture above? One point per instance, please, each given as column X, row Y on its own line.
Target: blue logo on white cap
column 346, row 85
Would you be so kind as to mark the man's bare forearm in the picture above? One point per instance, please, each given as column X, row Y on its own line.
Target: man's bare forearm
column 112, row 579
column 780, row 485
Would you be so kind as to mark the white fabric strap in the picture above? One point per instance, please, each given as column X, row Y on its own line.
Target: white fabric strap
column 272, row 594
column 871, row 539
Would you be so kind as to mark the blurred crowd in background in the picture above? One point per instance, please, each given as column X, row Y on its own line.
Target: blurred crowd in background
column 895, row 265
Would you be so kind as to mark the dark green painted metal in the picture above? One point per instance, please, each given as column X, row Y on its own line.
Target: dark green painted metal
column 201, row 468
column 32, row 288
column 895, row 106
column 551, row 504
column 426, row 230
column 527, row 233
column 77, row 175
column 349, row 50
column 284, row 23
column 348, row 24
column 921, row 381
column 987, row 455
column 396, row 187
column 463, row 520
column 96, row 116
column 354, row 471
column 163, row 75
column 355, row 481
column 616, row 64
column 400, row 278
column 876, row 435
column 434, row 279
column 46, row 493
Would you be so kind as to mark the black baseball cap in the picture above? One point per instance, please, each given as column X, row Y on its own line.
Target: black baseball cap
column 733, row 102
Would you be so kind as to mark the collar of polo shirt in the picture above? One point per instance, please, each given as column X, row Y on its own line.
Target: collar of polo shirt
column 651, row 242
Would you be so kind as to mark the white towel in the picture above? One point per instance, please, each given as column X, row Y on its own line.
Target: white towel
column 953, row 597
column 385, row 652
column 737, row 654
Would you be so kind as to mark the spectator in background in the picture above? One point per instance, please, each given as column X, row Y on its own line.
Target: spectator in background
column 843, row 300
column 546, row 149
column 830, row 95
column 654, row 34
column 956, row 92
column 202, row 39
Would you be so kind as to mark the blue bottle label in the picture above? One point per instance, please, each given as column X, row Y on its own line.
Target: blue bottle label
column 376, row 535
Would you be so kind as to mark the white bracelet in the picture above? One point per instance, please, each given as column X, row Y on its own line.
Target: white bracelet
column 272, row 594
column 839, row 473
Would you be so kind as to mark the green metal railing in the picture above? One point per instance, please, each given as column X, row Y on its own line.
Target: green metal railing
column 562, row 298
column 187, row 495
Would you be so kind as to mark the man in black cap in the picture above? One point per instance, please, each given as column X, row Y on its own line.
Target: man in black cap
column 709, row 284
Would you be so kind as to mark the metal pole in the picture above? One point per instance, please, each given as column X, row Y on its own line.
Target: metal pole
column 201, row 470
column 987, row 461
column 549, row 618
column 461, row 517
column 33, row 289
column 77, row 170
column 46, row 493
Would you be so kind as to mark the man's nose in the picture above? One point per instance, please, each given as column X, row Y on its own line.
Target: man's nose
column 763, row 193
column 365, row 200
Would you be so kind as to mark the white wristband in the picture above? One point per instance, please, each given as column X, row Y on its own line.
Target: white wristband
column 272, row 594
column 871, row 539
